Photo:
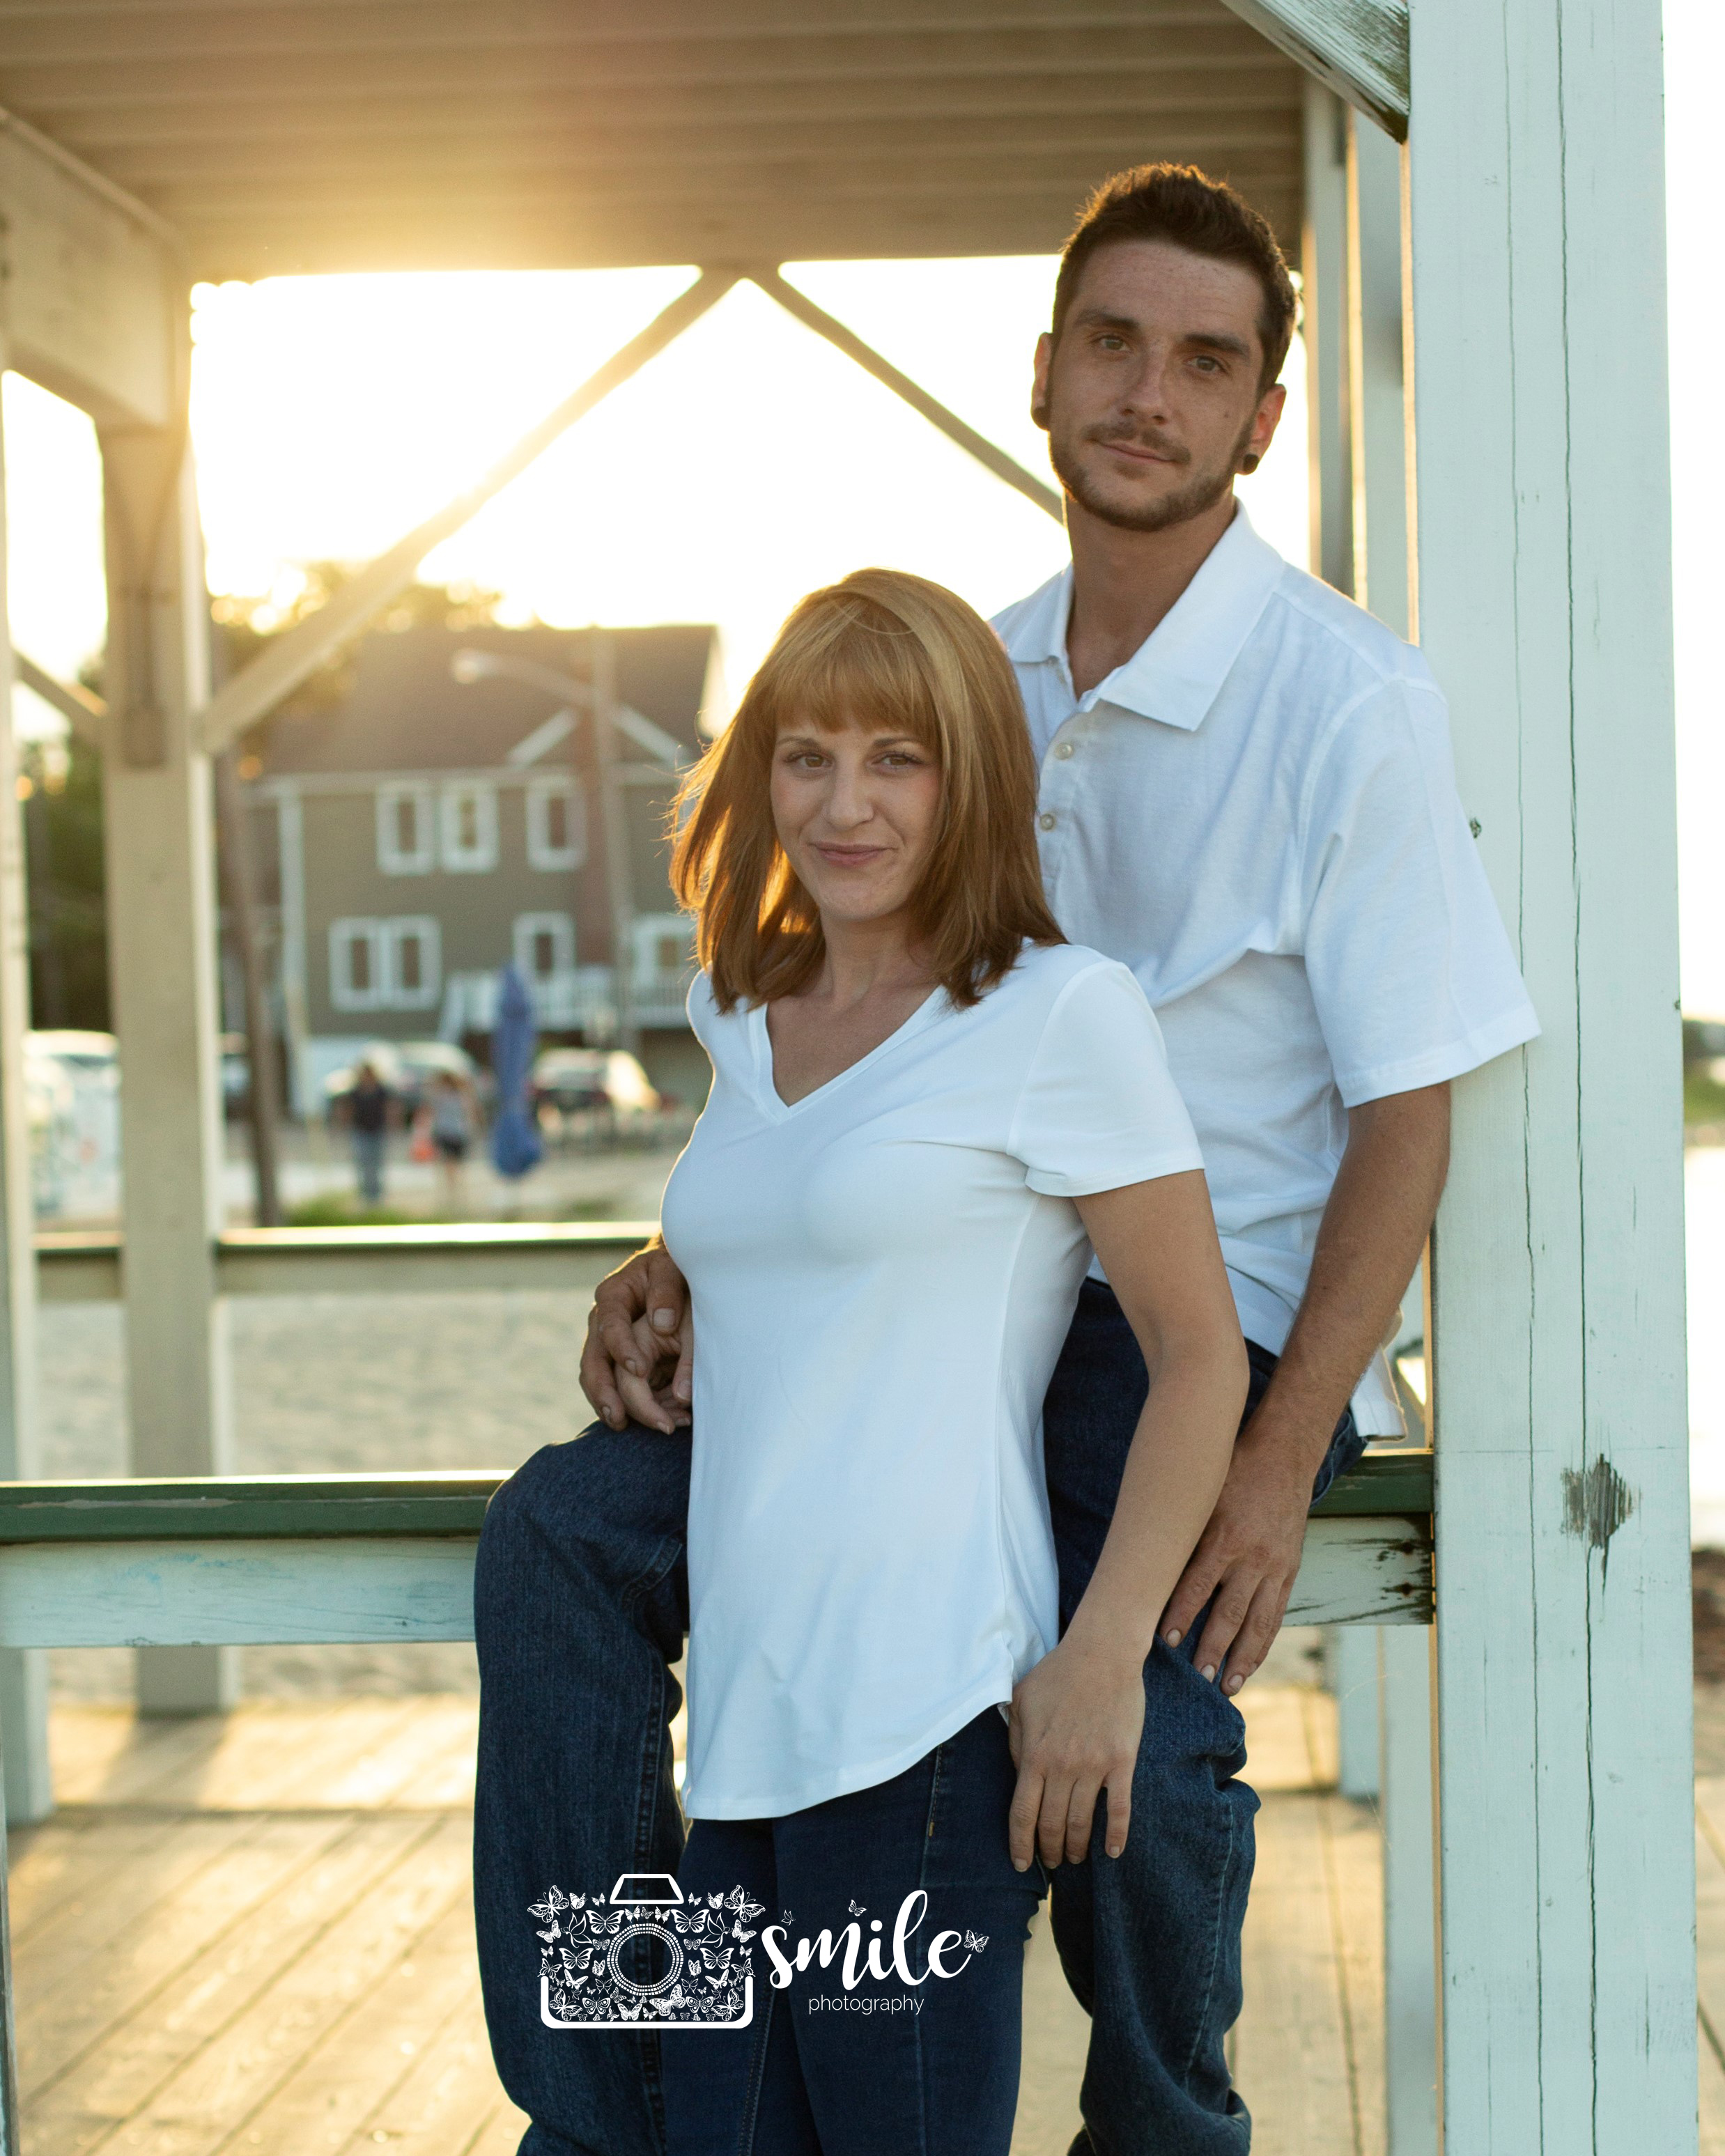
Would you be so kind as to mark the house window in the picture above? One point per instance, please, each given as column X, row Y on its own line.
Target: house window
column 469, row 828
column 385, row 965
column 413, row 963
column 356, row 969
column 665, row 954
column 556, row 824
column 404, row 830
column 544, row 944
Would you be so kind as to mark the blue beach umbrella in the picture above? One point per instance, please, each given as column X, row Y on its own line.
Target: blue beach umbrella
column 516, row 1145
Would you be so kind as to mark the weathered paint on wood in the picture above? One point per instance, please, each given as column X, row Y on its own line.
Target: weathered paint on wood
column 1544, row 566
column 1358, row 47
column 249, row 1589
column 236, row 1593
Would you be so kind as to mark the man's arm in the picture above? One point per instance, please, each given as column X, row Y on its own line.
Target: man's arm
column 1374, row 1227
column 639, row 1350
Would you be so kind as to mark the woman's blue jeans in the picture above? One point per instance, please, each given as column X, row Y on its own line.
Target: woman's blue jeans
column 581, row 1602
column 927, row 2067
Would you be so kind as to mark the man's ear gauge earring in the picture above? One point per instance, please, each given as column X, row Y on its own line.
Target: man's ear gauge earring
column 1250, row 462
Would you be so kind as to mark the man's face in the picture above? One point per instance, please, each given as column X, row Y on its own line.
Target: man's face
column 1151, row 400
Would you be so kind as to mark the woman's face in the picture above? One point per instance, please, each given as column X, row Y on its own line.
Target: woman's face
column 856, row 810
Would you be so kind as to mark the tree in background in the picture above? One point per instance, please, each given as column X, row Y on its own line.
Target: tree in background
column 61, row 784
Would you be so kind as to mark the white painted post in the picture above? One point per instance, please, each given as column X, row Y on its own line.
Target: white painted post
column 1410, row 2066
column 1568, row 1973
column 1351, row 1672
column 1324, row 308
column 23, row 1673
column 1398, row 1737
column 161, row 960
column 1377, row 415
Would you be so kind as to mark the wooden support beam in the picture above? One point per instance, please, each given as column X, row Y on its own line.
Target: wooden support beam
column 1399, row 1681
column 28, row 1787
column 1378, row 414
column 1323, row 324
column 1359, row 48
column 1537, row 180
column 93, row 282
column 289, row 659
column 83, row 711
column 993, row 458
column 161, row 907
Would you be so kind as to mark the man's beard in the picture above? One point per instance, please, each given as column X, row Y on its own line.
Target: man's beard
column 1202, row 491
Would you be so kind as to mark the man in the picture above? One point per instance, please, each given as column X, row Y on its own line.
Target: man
column 370, row 1106
column 1247, row 796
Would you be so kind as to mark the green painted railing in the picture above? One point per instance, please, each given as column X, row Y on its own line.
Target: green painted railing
column 305, row 1507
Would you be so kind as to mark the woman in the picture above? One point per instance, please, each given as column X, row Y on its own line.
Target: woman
column 925, row 1109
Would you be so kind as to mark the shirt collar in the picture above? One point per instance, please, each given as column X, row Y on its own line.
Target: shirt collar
column 1177, row 672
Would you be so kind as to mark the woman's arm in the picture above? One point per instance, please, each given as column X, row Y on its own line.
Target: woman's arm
column 1078, row 1717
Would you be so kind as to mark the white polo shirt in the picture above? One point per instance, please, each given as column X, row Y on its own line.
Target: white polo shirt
column 1257, row 813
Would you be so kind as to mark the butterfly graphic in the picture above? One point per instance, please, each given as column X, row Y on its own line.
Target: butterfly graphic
column 974, row 1941
column 857, row 1909
column 786, row 1918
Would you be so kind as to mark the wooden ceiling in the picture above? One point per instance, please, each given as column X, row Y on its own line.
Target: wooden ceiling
column 550, row 134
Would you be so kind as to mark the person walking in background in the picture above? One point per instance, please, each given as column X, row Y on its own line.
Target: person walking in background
column 451, row 1130
column 370, row 1108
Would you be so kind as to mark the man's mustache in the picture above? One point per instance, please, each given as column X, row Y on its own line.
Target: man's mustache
column 1159, row 445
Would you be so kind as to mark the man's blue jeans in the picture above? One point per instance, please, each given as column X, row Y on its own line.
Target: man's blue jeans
column 887, row 2068
column 580, row 1603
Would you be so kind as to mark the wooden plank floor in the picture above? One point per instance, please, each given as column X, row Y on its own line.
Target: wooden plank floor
column 255, row 1931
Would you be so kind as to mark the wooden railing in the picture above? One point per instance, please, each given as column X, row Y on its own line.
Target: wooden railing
column 300, row 1558
column 87, row 1267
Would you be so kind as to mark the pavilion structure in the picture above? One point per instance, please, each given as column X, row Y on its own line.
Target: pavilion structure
column 1474, row 189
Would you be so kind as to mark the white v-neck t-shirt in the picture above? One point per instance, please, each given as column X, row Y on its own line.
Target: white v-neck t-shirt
column 882, row 1275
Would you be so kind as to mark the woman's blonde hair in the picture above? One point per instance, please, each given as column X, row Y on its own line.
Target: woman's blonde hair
column 892, row 652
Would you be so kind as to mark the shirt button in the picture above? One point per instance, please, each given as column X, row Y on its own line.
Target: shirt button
column 1048, row 819
column 1064, row 750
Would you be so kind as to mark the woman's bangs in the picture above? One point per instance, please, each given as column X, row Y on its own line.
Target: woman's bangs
column 857, row 678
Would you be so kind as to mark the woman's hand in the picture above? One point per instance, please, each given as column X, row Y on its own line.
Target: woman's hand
column 1076, row 1723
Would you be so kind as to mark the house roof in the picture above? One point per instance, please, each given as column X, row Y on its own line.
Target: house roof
column 405, row 711
column 343, row 135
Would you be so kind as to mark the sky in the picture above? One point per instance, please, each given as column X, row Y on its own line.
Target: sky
column 748, row 463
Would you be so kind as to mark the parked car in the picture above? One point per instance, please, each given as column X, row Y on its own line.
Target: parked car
column 406, row 1068
column 606, row 1088
column 72, row 1081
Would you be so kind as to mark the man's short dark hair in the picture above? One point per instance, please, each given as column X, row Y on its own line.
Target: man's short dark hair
column 1187, row 209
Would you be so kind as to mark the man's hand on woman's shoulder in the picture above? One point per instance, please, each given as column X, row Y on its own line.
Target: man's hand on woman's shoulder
column 638, row 1362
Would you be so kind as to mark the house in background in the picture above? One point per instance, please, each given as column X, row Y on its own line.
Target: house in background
column 446, row 813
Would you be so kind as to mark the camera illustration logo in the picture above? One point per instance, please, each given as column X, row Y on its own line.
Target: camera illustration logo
column 643, row 1955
